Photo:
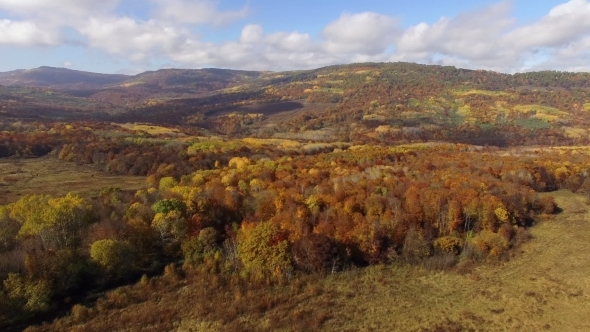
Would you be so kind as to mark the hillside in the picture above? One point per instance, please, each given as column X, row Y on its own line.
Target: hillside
column 157, row 86
column 58, row 78
column 387, row 103
column 365, row 103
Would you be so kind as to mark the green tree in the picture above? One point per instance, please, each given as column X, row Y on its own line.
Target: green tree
column 168, row 205
column 67, row 216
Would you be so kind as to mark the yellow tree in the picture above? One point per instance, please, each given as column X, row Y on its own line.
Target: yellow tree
column 116, row 257
column 57, row 221
column 263, row 252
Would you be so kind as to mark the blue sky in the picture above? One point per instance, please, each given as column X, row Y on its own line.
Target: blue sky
column 130, row 36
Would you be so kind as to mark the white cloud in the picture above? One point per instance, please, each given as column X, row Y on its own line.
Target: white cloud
column 575, row 49
column 44, row 20
column 196, row 12
column 255, row 51
column 293, row 41
column 137, row 40
column 366, row 33
column 573, row 57
column 25, row 33
column 68, row 64
column 564, row 24
column 251, row 33
column 472, row 35
column 487, row 38
column 44, row 8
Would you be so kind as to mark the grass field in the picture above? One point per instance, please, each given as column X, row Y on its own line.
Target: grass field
column 47, row 175
column 534, row 123
column 483, row 92
column 544, row 287
column 152, row 130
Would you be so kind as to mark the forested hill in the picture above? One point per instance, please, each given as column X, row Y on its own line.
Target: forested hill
column 369, row 102
column 58, row 78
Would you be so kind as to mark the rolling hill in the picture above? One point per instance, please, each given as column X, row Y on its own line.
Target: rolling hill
column 58, row 78
column 367, row 102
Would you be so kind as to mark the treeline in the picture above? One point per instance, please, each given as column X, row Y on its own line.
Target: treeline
column 109, row 147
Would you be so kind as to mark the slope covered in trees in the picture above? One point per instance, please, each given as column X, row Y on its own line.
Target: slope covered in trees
column 362, row 103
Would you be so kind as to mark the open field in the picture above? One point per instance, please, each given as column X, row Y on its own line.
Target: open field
column 48, row 175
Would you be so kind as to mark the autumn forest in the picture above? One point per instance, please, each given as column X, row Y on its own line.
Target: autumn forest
column 260, row 194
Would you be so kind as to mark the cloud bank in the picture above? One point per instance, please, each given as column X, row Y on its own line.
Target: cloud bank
column 486, row 38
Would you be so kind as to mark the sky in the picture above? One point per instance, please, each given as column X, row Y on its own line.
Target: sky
column 132, row 36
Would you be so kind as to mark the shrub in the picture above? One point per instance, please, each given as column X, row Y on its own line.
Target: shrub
column 415, row 246
column 448, row 245
column 80, row 312
column 8, row 230
column 507, row 231
column 441, row 261
column 315, row 253
column 546, row 205
column 490, row 245
column 196, row 248
column 34, row 296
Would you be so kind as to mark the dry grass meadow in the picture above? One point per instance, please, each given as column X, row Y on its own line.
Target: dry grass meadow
column 48, row 175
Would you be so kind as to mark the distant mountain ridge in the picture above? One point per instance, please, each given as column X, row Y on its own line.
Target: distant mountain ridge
column 63, row 78
column 58, row 78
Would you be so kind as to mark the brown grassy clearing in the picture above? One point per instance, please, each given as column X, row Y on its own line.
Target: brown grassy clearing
column 151, row 129
column 545, row 286
column 276, row 109
column 48, row 175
